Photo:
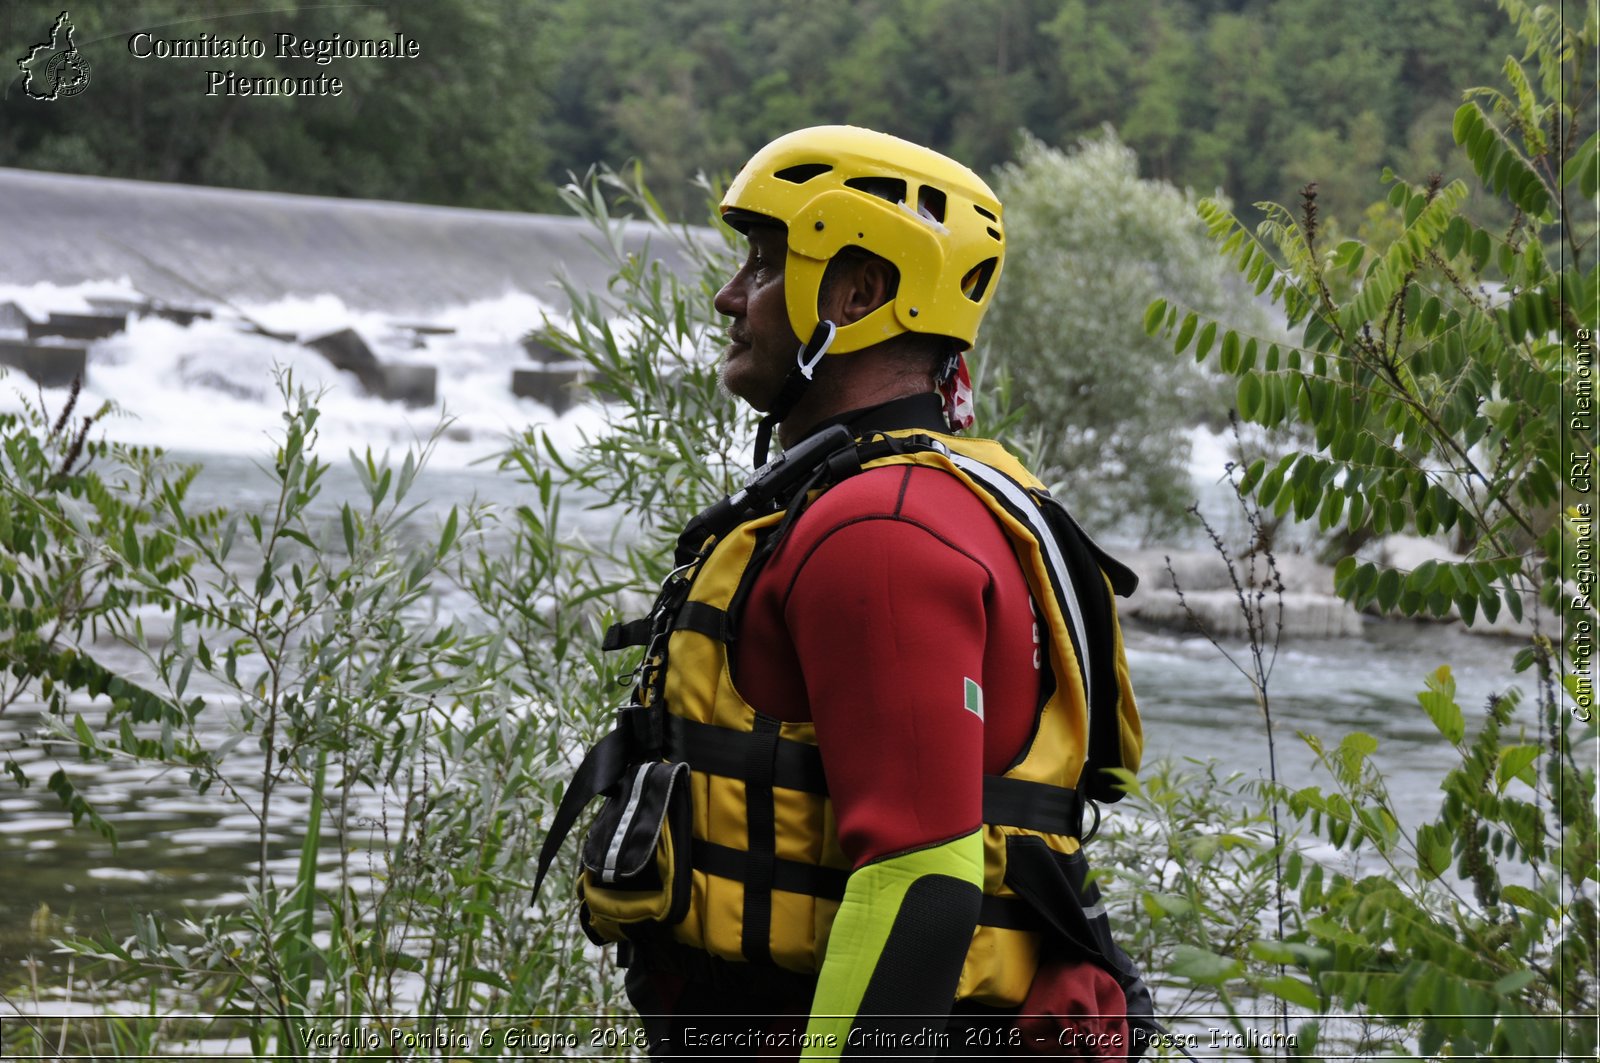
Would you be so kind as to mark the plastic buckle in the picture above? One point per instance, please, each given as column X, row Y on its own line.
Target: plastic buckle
column 843, row 465
column 644, row 726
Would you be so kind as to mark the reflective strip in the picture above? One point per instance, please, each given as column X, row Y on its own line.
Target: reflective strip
column 1028, row 510
column 609, row 872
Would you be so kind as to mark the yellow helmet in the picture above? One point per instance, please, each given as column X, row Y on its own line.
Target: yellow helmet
column 841, row 186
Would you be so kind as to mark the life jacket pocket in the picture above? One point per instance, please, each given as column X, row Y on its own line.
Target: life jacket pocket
column 635, row 857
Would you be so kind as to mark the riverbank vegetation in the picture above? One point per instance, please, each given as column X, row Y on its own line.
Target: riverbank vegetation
column 398, row 709
column 1441, row 377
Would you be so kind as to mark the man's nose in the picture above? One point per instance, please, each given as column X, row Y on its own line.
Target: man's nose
column 729, row 300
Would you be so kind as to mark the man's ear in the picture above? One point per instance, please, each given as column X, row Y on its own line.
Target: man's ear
column 863, row 285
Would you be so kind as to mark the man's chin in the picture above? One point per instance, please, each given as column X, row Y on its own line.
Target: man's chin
column 732, row 383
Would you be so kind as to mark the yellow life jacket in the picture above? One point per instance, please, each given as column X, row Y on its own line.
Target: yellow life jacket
column 758, row 874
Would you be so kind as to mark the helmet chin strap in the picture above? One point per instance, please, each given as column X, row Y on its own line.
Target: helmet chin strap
column 794, row 385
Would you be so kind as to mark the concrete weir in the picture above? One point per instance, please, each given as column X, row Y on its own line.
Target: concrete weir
column 400, row 258
column 51, row 366
column 183, row 244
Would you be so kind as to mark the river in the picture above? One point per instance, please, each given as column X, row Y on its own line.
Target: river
column 202, row 391
column 179, row 851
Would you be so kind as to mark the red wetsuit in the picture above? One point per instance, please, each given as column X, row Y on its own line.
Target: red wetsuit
column 890, row 591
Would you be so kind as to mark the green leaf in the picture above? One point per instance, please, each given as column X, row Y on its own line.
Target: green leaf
column 1428, row 317
column 130, row 544
column 1515, row 763
column 1252, row 475
column 1249, row 398
column 1185, row 333
column 1229, row 359
column 1202, row 965
column 1433, row 850
column 1202, row 346
column 1164, row 904
column 1528, row 900
column 1342, row 573
column 1389, row 584
column 1480, row 249
column 1271, row 485
column 1274, row 952
column 488, row 978
column 1292, row 990
column 1365, row 582
column 447, row 535
column 1514, row 983
column 1153, row 315
column 1439, row 701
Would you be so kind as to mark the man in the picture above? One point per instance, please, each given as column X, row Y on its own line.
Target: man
column 863, row 718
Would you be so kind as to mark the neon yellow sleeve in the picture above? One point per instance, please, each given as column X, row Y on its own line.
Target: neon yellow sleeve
column 897, row 946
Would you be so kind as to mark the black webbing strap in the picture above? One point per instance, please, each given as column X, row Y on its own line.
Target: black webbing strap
column 601, row 767
column 621, row 636
column 721, row 751
column 1031, row 805
column 828, row 883
column 761, row 753
column 1008, row 913
column 706, row 619
column 791, row 876
column 798, row 766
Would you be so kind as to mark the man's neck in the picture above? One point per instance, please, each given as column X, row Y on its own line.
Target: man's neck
column 921, row 409
column 807, row 417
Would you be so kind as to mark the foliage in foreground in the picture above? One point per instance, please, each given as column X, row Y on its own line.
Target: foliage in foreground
column 1446, row 383
column 299, row 667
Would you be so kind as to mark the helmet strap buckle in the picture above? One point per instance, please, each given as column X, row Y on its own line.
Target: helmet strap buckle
column 806, row 362
column 820, row 341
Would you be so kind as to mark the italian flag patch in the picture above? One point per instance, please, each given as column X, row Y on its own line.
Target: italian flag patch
column 973, row 697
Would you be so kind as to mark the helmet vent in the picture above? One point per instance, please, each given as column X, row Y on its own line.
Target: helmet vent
column 802, row 173
column 994, row 233
column 985, row 213
column 976, row 282
column 891, row 188
column 930, row 203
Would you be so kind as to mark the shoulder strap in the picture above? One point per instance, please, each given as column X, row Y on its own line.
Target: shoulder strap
column 1079, row 570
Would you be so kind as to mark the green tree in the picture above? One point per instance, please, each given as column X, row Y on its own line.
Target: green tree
column 1091, row 244
column 1443, row 380
column 460, row 124
column 508, row 98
